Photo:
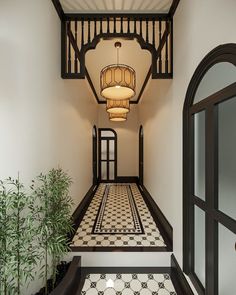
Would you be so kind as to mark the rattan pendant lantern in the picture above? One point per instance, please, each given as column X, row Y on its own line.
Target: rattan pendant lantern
column 119, row 117
column 118, row 106
column 118, row 81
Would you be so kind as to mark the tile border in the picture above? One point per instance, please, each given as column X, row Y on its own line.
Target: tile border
column 163, row 225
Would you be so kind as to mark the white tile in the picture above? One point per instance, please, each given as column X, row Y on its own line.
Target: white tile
column 84, row 232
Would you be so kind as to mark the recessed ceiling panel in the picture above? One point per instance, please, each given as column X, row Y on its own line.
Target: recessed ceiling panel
column 116, row 6
column 130, row 54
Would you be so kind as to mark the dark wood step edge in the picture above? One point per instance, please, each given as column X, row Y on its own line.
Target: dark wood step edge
column 178, row 278
column 69, row 284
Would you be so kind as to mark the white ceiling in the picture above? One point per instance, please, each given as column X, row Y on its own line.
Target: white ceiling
column 130, row 54
column 108, row 6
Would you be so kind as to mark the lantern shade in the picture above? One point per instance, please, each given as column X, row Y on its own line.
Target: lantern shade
column 118, row 117
column 118, row 82
column 118, row 106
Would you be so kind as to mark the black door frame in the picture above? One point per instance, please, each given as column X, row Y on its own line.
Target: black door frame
column 223, row 53
column 141, row 155
column 95, row 158
column 100, row 138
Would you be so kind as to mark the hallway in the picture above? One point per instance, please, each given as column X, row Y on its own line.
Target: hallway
column 117, row 156
column 118, row 217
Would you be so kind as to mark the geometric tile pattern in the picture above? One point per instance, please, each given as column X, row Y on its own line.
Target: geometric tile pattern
column 84, row 236
column 128, row 284
column 118, row 212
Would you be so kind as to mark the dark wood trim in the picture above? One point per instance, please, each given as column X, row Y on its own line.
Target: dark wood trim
column 148, row 76
column 197, row 283
column 220, row 96
column 124, row 16
column 127, row 179
column 79, row 212
column 141, row 155
column 87, row 75
column 222, row 53
column 173, row 8
column 91, row 85
column 69, row 284
column 119, row 249
column 95, row 155
column 141, row 37
column 63, row 48
column 59, row 9
column 163, row 224
column 179, row 280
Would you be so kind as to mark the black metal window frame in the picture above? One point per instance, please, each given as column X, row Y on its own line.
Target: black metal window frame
column 100, row 138
column 214, row 217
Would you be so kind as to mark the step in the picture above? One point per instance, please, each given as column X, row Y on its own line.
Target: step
column 123, row 280
column 124, row 259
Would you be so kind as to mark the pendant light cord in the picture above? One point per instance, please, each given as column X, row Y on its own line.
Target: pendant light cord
column 117, row 57
column 117, row 46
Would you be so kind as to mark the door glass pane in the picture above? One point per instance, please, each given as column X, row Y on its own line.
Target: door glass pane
column 103, row 149
column 227, row 157
column 104, row 170
column 107, row 133
column 199, row 155
column 199, row 243
column 111, row 150
column 218, row 77
column 112, row 171
column 227, row 261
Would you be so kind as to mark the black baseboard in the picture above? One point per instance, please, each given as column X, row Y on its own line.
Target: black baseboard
column 163, row 224
column 179, row 280
column 127, row 179
column 80, row 211
column 122, row 179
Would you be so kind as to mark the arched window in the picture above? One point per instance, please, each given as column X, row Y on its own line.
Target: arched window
column 210, row 173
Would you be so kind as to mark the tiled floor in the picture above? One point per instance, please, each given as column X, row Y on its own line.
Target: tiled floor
column 118, row 217
column 128, row 284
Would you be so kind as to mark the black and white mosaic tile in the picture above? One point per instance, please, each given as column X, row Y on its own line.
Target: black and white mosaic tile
column 106, row 227
column 128, row 284
column 118, row 213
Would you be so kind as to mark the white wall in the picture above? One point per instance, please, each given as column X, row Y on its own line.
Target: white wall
column 44, row 121
column 127, row 140
column 199, row 26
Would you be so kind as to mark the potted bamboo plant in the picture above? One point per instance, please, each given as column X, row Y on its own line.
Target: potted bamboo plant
column 18, row 252
column 53, row 215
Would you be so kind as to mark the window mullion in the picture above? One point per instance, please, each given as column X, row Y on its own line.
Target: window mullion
column 211, row 201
